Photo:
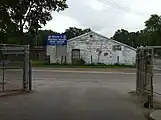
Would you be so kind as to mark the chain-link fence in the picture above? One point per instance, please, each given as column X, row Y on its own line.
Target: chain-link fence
column 148, row 82
column 15, row 68
column 157, row 74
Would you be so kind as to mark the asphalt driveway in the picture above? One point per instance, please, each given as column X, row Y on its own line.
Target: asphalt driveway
column 74, row 96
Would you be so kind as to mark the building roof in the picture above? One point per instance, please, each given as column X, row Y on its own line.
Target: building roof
column 75, row 38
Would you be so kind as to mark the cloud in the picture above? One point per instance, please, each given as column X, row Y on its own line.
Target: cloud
column 60, row 23
column 104, row 18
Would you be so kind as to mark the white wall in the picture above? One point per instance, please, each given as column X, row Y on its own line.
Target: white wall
column 51, row 51
column 126, row 55
column 129, row 56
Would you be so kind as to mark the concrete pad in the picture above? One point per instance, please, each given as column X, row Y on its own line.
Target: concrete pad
column 156, row 115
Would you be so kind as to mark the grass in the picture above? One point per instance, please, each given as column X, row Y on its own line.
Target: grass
column 42, row 64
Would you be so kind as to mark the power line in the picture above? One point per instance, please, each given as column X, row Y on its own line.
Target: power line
column 118, row 26
column 122, row 7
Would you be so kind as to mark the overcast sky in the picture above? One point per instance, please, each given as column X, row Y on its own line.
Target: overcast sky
column 105, row 17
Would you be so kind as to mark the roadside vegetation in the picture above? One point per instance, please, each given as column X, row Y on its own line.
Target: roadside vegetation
column 99, row 65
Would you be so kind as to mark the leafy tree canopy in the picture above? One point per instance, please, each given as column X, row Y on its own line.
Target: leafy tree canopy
column 28, row 15
column 150, row 36
column 41, row 37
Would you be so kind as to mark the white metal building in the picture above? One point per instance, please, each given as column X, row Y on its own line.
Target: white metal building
column 95, row 48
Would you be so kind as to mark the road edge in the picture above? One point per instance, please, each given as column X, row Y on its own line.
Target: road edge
column 155, row 115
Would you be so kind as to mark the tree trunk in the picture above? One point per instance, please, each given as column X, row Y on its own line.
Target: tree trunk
column 21, row 33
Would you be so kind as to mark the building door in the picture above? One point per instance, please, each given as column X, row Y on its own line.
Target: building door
column 75, row 56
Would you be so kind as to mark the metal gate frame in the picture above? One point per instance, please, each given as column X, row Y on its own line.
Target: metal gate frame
column 145, row 73
column 6, row 49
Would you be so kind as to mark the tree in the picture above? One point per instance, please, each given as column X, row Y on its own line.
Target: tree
column 153, row 26
column 153, row 23
column 28, row 14
column 122, row 36
column 42, row 36
column 70, row 33
column 74, row 32
column 150, row 36
column 134, row 39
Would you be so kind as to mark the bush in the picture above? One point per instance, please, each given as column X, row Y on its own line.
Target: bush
column 101, row 64
column 80, row 62
column 123, row 65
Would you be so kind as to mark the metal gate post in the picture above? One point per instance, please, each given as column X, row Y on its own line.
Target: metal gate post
column 3, row 73
column 141, row 72
column 30, row 75
column 151, row 80
column 137, row 68
column 26, row 67
column 140, row 61
column 145, row 70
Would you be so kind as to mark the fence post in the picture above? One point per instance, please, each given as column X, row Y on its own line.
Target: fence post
column 137, row 70
column 139, row 76
column 30, row 75
column 141, row 71
column 3, row 74
column 26, row 66
column 144, row 69
column 150, row 71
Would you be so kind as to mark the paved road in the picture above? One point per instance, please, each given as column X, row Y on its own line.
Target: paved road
column 74, row 96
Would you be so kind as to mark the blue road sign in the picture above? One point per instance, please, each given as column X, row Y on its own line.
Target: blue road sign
column 55, row 40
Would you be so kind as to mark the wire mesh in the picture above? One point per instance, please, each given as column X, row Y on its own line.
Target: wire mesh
column 144, row 74
column 148, row 62
column 12, row 67
column 157, row 73
column 13, row 80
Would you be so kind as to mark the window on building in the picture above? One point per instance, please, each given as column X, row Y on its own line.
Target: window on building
column 116, row 48
column 91, row 36
column 105, row 54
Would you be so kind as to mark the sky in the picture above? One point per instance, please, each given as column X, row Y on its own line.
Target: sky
column 104, row 16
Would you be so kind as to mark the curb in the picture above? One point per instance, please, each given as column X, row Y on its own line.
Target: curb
column 155, row 115
column 14, row 93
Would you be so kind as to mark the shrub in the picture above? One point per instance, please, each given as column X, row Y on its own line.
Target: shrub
column 81, row 62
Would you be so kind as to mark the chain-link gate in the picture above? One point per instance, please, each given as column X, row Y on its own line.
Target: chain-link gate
column 148, row 73
column 15, row 68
